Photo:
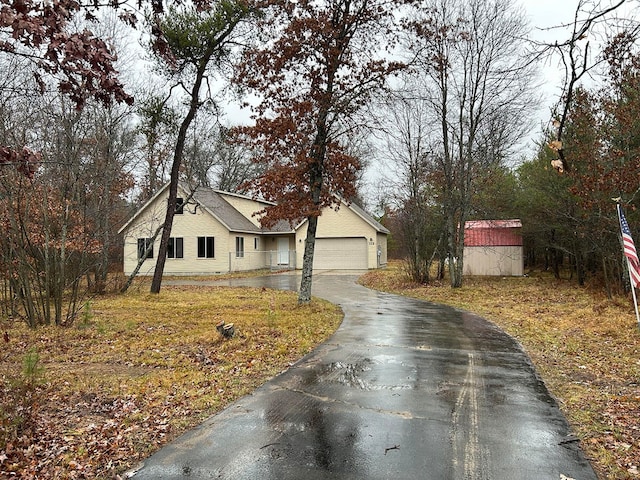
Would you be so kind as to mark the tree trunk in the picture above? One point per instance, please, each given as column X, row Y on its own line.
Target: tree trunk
column 316, row 178
column 168, row 223
column 175, row 172
column 307, row 261
column 455, row 253
column 141, row 260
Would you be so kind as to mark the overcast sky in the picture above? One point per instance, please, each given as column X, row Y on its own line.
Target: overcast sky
column 551, row 21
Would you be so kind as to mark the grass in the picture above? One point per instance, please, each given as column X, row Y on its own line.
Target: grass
column 90, row 401
column 585, row 347
column 139, row 369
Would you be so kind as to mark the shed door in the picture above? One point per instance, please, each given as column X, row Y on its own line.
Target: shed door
column 341, row 254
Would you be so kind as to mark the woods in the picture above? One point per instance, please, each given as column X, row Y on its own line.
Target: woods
column 423, row 112
column 438, row 95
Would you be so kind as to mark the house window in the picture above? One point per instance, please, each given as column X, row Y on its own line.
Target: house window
column 143, row 244
column 206, row 247
column 179, row 206
column 256, row 243
column 175, row 249
column 239, row 247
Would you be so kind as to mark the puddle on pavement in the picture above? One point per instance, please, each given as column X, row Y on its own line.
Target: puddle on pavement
column 348, row 374
column 353, row 375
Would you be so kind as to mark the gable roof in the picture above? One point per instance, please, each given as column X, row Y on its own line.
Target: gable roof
column 368, row 218
column 360, row 212
column 214, row 203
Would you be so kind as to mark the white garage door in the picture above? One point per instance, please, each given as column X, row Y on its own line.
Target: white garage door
column 340, row 253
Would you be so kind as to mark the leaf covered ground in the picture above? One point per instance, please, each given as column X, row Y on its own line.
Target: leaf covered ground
column 92, row 400
column 585, row 346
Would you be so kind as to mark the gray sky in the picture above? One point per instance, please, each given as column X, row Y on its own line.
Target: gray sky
column 551, row 20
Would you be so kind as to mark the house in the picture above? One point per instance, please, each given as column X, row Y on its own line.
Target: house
column 217, row 232
column 493, row 247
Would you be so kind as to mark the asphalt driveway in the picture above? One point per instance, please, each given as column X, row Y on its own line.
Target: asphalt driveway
column 405, row 389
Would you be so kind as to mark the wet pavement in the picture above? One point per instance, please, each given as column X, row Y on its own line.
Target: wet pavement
column 405, row 389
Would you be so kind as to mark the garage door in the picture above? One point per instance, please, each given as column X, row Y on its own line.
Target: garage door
column 340, row 253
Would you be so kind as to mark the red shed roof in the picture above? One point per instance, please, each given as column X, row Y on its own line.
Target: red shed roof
column 513, row 223
column 492, row 233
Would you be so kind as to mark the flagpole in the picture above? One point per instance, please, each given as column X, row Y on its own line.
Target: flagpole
column 635, row 300
column 633, row 290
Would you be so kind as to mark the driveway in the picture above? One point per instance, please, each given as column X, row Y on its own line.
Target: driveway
column 405, row 389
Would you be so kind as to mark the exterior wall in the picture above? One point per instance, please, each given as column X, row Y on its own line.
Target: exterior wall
column 501, row 261
column 301, row 235
column 343, row 223
column 245, row 206
column 255, row 256
column 144, row 227
column 381, row 259
column 189, row 226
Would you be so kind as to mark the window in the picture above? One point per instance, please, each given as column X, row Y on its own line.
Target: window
column 143, row 244
column 239, row 247
column 206, row 247
column 256, row 243
column 179, row 206
column 175, row 249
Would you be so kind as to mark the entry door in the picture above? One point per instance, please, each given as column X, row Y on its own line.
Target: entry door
column 283, row 251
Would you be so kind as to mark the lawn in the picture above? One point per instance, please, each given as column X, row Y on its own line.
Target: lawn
column 137, row 370
column 585, row 347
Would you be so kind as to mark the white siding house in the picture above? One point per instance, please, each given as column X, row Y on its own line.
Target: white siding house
column 218, row 232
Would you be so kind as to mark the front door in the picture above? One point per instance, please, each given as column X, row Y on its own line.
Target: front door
column 283, row 251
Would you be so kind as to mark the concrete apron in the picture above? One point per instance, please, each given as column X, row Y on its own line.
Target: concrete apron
column 405, row 389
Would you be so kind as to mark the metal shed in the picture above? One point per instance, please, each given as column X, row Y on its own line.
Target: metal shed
column 493, row 247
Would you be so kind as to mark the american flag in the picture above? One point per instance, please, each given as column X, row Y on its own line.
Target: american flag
column 630, row 251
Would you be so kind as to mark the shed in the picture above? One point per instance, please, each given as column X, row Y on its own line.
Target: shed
column 493, row 247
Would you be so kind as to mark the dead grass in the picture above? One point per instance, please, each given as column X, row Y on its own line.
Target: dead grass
column 140, row 370
column 144, row 368
column 585, row 347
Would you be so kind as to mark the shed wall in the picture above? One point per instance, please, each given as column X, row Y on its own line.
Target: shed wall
column 500, row 260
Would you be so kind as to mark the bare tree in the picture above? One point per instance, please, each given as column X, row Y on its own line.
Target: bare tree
column 157, row 128
column 212, row 159
column 580, row 54
column 409, row 142
column 477, row 85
